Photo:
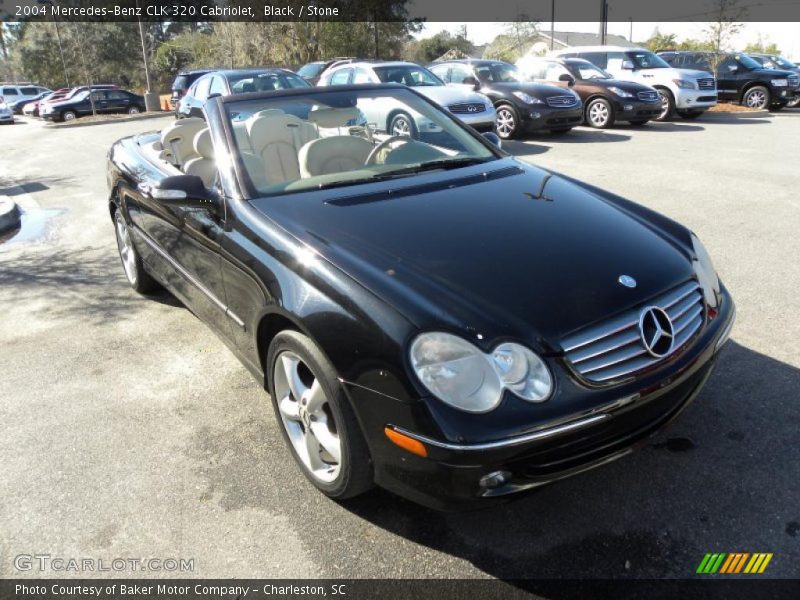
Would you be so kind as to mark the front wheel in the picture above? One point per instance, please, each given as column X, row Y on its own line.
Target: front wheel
column 667, row 105
column 403, row 125
column 756, row 97
column 134, row 110
column 316, row 419
column 599, row 114
column 132, row 264
column 507, row 121
column 68, row 115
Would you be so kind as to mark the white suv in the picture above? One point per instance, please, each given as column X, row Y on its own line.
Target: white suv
column 688, row 92
column 18, row 92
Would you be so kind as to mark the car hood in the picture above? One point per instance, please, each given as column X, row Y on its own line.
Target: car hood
column 444, row 95
column 628, row 86
column 502, row 251
column 777, row 73
column 540, row 90
column 680, row 73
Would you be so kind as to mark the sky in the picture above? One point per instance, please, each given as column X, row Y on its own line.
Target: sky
column 785, row 35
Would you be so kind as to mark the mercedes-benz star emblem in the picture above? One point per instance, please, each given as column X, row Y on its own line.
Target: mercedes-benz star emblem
column 655, row 328
column 627, row 281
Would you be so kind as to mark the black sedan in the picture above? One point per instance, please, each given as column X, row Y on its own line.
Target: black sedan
column 521, row 105
column 234, row 81
column 439, row 319
column 103, row 101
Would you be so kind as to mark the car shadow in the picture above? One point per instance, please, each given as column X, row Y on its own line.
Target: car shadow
column 661, row 126
column 584, row 134
column 731, row 119
column 523, row 148
column 651, row 514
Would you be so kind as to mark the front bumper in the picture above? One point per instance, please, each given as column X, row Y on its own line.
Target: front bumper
column 536, row 117
column 696, row 99
column 483, row 121
column 636, row 110
column 6, row 117
column 457, row 475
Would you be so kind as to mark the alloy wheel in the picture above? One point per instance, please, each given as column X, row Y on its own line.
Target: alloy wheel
column 505, row 123
column 401, row 126
column 69, row 116
column 599, row 114
column 756, row 99
column 133, row 110
column 307, row 417
column 126, row 250
column 664, row 104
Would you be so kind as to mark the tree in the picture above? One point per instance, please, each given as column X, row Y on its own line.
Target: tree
column 719, row 34
column 762, row 46
column 429, row 49
column 661, row 41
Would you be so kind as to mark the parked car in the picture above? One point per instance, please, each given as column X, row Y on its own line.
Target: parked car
column 235, row 81
column 182, row 83
column 473, row 109
column 443, row 320
column 65, row 94
column 105, row 101
column 55, row 96
column 775, row 61
column 312, row 71
column 687, row 92
column 520, row 105
column 31, row 107
column 6, row 114
column 13, row 92
column 605, row 99
column 18, row 106
column 741, row 79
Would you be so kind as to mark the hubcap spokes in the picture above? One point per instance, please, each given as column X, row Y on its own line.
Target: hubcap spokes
column 505, row 122
column 307, row 417
column 756, row 100
column 664, row 103
column 126, row 251
column 598, row 113
column 401, row 127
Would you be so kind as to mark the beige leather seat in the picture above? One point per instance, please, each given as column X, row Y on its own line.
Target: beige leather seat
column 177, row 140
column 276, row 140
column 204, row 166
column 335, row 153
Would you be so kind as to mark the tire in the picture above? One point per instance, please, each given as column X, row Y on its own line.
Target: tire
column 138, row 278
column 403, row 124
column 507, row 122
column 69, row 115
column 757, row 97
column 794, row 102
column 667, row 105
column 599, row 114
column 134, row 110
column 297, row 367
column 689, row 114
column 640, row 122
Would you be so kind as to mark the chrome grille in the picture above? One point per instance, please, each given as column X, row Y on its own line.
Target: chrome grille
column 794, row 80
column 466, row 108
column 706, row 83
column 562, row 100
column 614, row 349
column 648, row 96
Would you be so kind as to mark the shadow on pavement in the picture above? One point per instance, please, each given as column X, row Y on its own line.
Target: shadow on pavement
column 581, row 135
column 523, row 148
column 721, row 478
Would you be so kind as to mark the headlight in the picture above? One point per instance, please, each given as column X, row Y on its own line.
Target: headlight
column 706, row 273
column 620, row 92
column 462, row 376
column 779, row 82
column 527, row 99
column 684, row 84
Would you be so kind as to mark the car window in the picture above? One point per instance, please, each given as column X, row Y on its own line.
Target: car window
column 441, row 72
column 311, row 69
column 460, row 72
column 29, row 91
column 97, row 96
column 727, row 63
column 586, row 70
column 614, row 61
column 201, row 90
column 498, row 73
column 747, row 61
column 599, row 59
column 8, row 91
column 554, row 71
column 116, row 95
column 536, row 70
column 341, row 77
column 217, row 86
column 410, row 75
column 644, row 59
column 361, row 76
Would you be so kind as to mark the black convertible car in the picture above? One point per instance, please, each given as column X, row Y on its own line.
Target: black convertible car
column 432, row 316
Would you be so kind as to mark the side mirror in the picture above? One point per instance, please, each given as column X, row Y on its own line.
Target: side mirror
column 183, row 190
column 627, row 65
column 493, row 139
column 568, row 78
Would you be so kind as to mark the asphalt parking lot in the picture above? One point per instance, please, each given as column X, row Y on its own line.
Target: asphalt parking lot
column 127, row 429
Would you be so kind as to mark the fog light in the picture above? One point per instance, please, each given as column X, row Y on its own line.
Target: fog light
column 628, row 107
column 536, row 115
column 495, row 479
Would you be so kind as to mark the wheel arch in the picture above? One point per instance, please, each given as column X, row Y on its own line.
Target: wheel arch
column 395, row 112
column 750, row 85
column 269, row 325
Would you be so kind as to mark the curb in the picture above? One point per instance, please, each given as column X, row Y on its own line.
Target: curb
column 738, row 114
column 139, row 117
column 9, row 214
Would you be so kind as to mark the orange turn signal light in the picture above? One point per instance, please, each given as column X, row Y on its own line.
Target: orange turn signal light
column 405, row 442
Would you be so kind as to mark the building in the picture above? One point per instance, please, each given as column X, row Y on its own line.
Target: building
column 567, row 39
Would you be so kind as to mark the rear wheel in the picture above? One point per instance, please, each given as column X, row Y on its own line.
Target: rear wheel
column 507, row 121
column 68, row 115
column 600, row 113
column 316, row 419
column 403, row 124
column 132, row 264
column 134, row 110
column 756, row 97
column 667, row 104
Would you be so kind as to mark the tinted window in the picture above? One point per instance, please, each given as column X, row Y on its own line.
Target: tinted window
column 597, row 58
column 116, row 95
column 10, row 92
column 644, row 59
column 747, row 62
column 341, row 77
column 412, row 76
column 498, row 73
column 98, row 96
column 29, row 91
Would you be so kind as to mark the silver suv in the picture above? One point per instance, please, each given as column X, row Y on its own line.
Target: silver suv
column 13, row 93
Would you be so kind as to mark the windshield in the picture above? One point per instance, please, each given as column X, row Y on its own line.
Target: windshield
column 748, row 61
column 412, row 76
column 586, row 70
column 310, row 70
column 338, row 138
column 498, row 73
column 266, row 82
column 645, row 59
column 783, row 63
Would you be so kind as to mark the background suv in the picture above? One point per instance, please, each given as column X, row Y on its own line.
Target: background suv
column 605, row 100
column 521, row 105
column 473, row 109
column 181, row 85
column 689, row 93
column 775, row 61
column 742, row 79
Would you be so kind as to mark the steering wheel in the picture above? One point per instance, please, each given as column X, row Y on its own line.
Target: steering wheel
column 383, row 145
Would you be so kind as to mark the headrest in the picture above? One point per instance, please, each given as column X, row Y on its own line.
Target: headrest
column 333, row 117
column 248, row 87
column 179, row 128
column 202, row 143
